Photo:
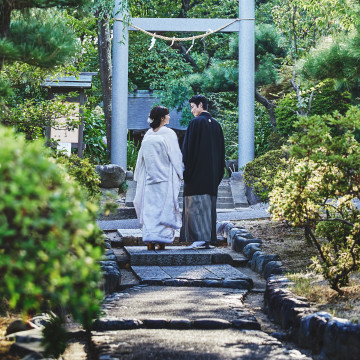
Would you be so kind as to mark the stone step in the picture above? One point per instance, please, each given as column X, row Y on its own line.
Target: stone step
column 180, row 256
column 195, row 275
column 224, row 201
column 133, row 237
column 224, row 192
column 221, row 203
column 238, row 190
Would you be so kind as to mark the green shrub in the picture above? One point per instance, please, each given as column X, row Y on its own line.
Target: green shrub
column 94, row 133
column 83, row 172
column 263, row 131
column 325, row 101
column 259, row 174
column 50, row 244
column 228, row 117
column 31, row 117
column 132, row 153
column 318, row 190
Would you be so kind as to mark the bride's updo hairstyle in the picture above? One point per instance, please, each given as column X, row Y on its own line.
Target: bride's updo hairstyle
column 156, row 114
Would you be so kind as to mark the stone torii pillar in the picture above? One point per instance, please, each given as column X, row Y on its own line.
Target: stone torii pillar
column 246, row 29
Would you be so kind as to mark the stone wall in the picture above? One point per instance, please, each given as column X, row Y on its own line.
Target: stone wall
column 327, row 336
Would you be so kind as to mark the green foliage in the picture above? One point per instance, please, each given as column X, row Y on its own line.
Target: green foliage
column 176, row 96
column 108, row 202
column 230, row 129
column 318, row 190
column 260, row 173
column 286, row 115
column 220, row 76
column 304, row 22
column 94, row 134
column 50, row 245
column 156, row 67
column 338, row 59
column 31, row 33
column 263, row 132
column 203, row 9
column 55, row 337
column 269, row 49
column 223, row 107
column 326, row 100
column 83, row 172
column 31, row 117
column 132, row 153
column 41, row 38
column 85, row 28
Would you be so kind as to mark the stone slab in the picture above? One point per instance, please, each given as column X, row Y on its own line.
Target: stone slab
column 146, row 273
column 176, row 256
column 226, row 272
column 179, row 255
column 175, row 303
column 237, row 185
column 192, row 274
column 113, row 225
column 134, row 236
column 136, row 233
column 230, row 344
column 130, row 193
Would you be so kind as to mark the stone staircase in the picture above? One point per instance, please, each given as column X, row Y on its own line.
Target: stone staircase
column 225, row 200
column 178, row 266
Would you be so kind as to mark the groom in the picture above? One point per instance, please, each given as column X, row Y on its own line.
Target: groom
column 204, row 160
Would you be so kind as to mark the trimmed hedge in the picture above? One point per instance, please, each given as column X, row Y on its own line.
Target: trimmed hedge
column 259, row 174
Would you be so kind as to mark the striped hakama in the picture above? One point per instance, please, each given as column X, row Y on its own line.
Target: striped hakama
column 199, row 218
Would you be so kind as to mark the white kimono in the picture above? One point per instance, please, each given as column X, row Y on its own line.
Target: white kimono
column 158, row 173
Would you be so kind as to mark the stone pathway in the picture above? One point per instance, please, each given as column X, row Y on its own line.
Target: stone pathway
column 183, row 304
column 156, row 322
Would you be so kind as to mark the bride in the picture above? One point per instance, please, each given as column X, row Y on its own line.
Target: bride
column 158, row 173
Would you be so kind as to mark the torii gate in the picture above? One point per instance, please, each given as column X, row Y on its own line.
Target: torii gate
column 245, row 26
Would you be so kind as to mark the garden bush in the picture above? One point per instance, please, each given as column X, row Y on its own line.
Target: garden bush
column 320, row 189
column 260, row 173
column 50, row 245
column 227, row 114
column 132, row 152
column 326, row 100
column 31, row 117
column 83, row 172
column 94, row 134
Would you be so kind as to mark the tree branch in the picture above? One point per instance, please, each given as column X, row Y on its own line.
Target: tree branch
column 338, row 219
column 269, row 105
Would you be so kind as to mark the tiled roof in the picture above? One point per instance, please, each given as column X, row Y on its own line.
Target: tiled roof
column 139, row 105
column 82, row 81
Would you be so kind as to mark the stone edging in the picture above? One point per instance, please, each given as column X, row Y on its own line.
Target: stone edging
column 330, row 337
column 226, row 283
column 179, row 324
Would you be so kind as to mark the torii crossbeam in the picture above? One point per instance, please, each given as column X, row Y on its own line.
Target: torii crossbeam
column 246, row 29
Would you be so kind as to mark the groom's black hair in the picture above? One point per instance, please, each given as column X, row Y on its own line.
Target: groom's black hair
column 197, row 99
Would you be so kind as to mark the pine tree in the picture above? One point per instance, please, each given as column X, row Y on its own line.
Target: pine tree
column 337, row 59
column 32, row 36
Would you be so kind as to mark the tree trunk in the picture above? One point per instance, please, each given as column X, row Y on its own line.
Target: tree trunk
column 104, row 47
column 5, row 13
column 269, row 105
